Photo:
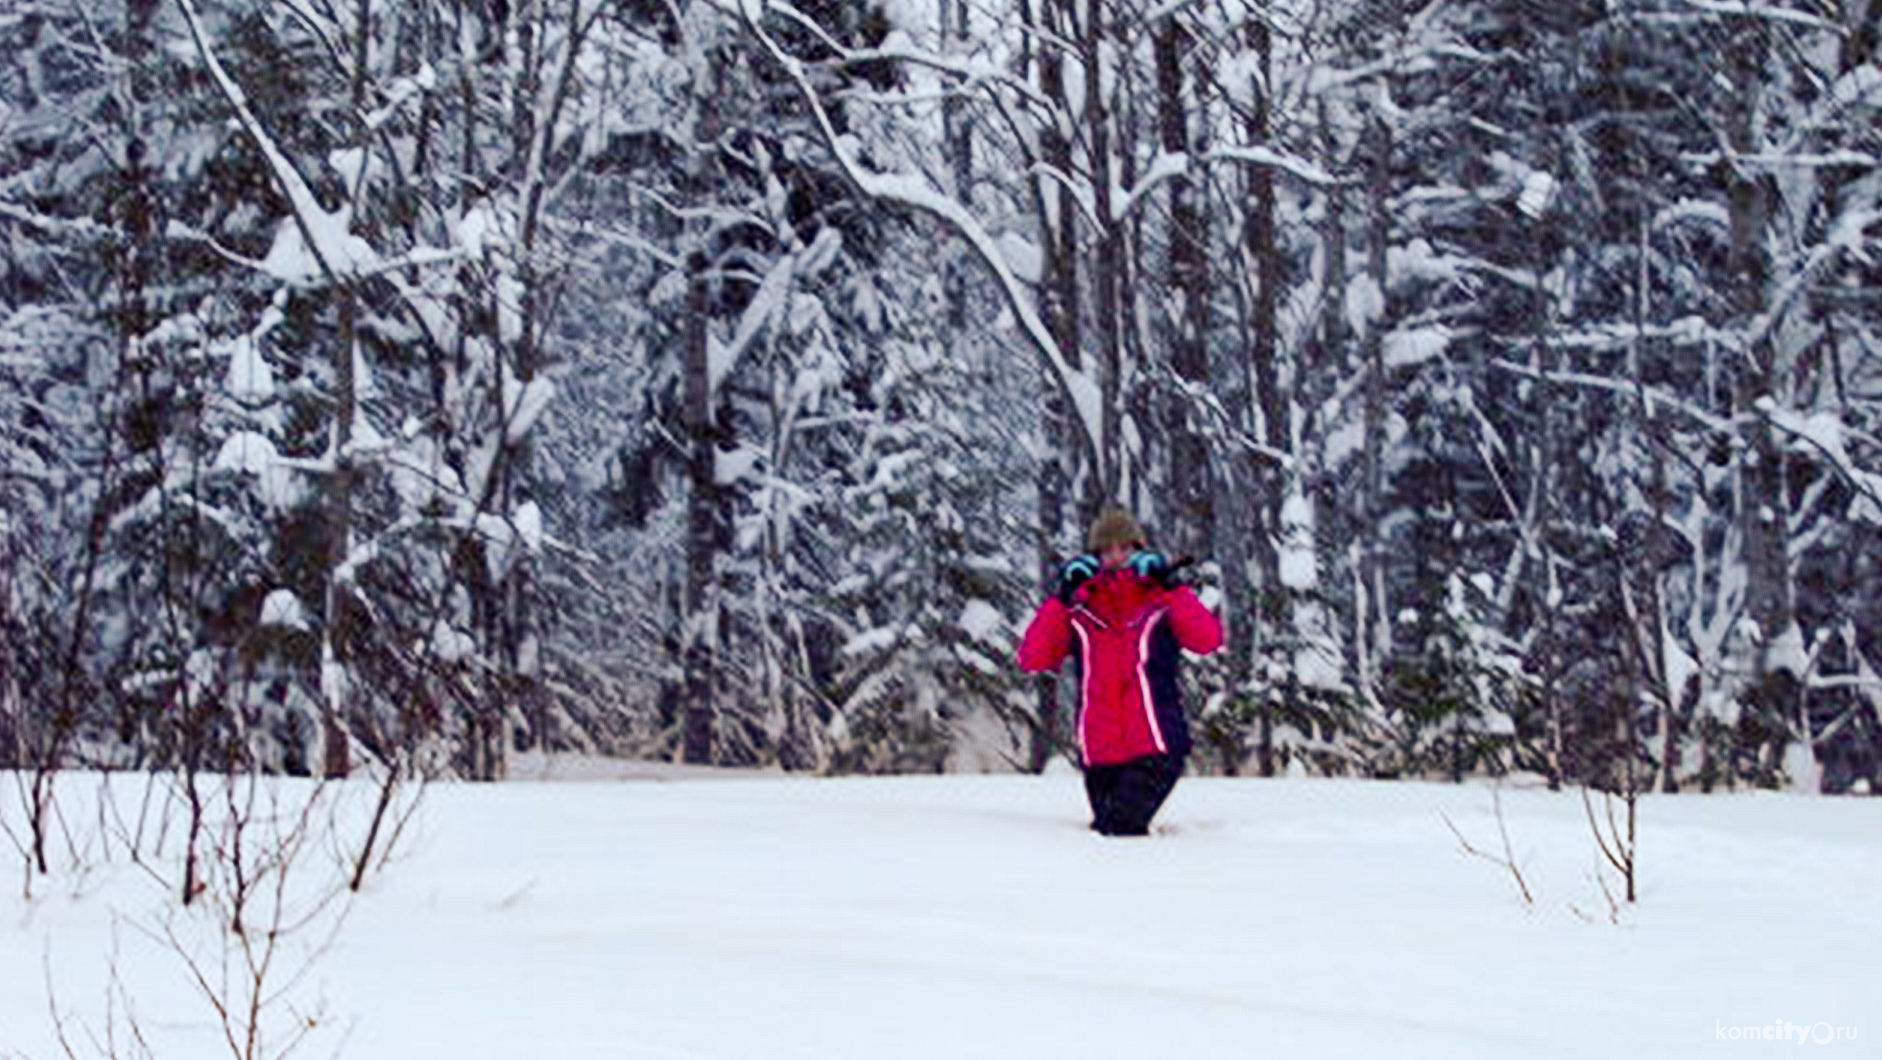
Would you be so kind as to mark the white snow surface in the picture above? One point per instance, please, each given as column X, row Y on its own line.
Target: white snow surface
column 754, row 915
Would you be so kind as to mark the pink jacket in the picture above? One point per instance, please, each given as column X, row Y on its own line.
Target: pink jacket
column 1130, row 633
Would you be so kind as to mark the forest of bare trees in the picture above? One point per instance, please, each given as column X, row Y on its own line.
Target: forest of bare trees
column 411, row 384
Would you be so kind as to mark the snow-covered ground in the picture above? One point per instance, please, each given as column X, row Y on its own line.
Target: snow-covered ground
column 957, row 917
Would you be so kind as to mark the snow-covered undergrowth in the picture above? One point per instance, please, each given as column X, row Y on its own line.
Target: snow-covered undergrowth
column 963, row 916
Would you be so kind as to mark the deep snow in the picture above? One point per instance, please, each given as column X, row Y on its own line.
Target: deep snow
column 756, row 916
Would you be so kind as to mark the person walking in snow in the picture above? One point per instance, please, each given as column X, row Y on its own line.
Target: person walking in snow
column 1132, row 621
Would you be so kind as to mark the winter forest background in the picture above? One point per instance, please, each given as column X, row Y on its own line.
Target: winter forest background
column 413, row 383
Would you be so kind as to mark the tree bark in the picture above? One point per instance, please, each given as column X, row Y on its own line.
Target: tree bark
column 958, row 137
column 1375, row 620
column 700, row 605
column 1764, row 504
column 1192, row 500
column 700, row 608
column 1058, row 473
column 1272, row 610
column 1107, row 316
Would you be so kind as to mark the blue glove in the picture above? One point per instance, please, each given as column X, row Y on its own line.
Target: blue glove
column 1151, row 566
column 1073, row 573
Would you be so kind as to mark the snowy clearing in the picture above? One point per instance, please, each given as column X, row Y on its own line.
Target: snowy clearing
column 964, row 916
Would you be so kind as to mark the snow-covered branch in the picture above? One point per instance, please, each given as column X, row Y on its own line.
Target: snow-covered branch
column 773, row 289
column 1401, row 61
column 914, row 191
column 1163, row 168
column 1625, row 387
column 1081, row 192
column 1825, row 432
column 1774, row 12
column 51, row 225
column 323, row 234
column 1780, row 160
column 1846, row 236
column 898, row 48
column 1265, row 156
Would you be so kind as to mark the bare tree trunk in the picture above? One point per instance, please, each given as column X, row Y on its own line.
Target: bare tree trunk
column 335, row 679
column 1374, row 619
column 1763, row 502
column 513, row 618
column 1057, row 473
column 43, row 746
column 701, row 614
column 1544, row 448
column 1053, row 481
column 1233, row 479
column 1651, row 631
column 1268, row 399
column 1107, row 316
column 700, row 632
column 1325, row 359
column 958, row 137
column 336, row 751
column 1630, row 778
column 1644, row 657
column 1194, row 507
column 1333, row 238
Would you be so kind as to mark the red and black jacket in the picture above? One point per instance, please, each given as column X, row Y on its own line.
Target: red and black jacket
column 1130, row 634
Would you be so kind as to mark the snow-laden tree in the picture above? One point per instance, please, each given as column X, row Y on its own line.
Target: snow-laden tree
column 318, row 517
column 718, row 380
column 85, row 405
column 1645, row 438
column 1710, row 362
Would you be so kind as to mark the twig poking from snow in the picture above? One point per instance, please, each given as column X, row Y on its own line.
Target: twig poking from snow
column 1618, row 850
column 1508, row 858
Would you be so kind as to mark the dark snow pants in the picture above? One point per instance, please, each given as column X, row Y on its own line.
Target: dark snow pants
column 1125, row 797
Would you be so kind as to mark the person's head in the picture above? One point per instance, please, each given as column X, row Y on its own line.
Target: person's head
column 1113, row 536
